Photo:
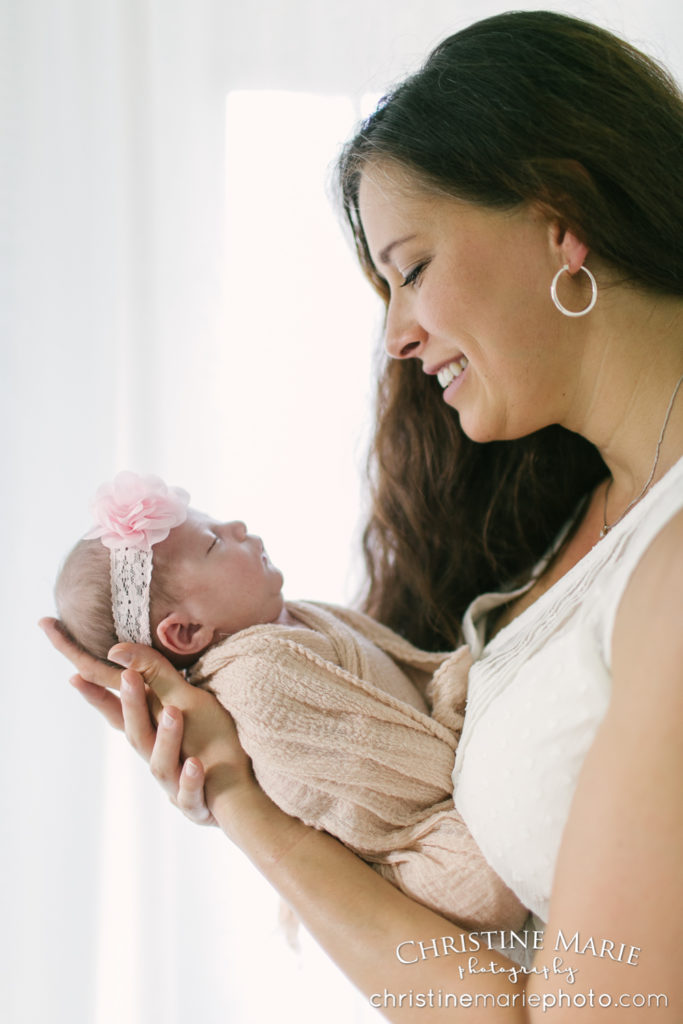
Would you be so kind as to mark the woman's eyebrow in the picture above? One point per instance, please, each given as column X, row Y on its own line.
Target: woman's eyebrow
column 387, row 250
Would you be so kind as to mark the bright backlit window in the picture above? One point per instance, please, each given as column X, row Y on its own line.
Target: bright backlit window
column 301, row 327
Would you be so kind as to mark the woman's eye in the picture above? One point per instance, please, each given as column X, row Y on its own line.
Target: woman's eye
column 415, row 274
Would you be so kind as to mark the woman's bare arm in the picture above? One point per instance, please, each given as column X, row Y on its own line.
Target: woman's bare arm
column 619, row 877
column 617, row 906
column 360, row 918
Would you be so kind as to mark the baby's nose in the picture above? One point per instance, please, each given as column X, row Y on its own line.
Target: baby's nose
column 237, row 528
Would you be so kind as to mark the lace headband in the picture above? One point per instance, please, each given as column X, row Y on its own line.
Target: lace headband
column 132, row 513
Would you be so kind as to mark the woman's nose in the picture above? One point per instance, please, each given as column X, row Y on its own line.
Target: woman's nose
column 404, row 338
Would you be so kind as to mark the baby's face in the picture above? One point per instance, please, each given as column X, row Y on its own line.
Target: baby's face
column 221, row 573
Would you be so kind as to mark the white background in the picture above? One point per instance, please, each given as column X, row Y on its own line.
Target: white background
column 177, row 297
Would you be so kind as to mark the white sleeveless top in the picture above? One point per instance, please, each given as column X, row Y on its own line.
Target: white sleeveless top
column 537, row 694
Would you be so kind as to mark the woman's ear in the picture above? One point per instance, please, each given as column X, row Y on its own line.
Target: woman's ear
column 180, row 636
column 570, row 249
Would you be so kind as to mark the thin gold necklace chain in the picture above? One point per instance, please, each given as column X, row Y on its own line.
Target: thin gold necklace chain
column 605, row 528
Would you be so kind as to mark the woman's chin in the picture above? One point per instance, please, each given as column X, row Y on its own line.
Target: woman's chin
column 484, row 429
column 477, row 431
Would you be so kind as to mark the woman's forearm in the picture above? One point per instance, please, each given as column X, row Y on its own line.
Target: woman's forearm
column 361, row 920
column 357, row 916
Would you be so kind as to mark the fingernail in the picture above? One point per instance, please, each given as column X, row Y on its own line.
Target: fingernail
column 191, row 768
column 120, row 657
column 126, row 686
column 167, row 719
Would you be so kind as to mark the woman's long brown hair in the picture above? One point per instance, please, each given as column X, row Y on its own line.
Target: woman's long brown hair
column 522, row 107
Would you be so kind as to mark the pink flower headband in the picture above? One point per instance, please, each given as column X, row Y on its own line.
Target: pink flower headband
column 132, row 513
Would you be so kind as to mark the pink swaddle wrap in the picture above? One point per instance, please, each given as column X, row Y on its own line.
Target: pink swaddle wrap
column 335, row 718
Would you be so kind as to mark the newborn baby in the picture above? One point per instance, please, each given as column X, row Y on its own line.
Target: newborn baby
column 349, row 727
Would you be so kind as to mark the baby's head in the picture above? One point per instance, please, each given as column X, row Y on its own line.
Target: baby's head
column 155, row 571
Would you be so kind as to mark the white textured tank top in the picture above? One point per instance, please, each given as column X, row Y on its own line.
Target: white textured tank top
column 537, row 694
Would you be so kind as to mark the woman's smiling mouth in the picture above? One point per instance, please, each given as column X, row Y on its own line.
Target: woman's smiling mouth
column 452, row 370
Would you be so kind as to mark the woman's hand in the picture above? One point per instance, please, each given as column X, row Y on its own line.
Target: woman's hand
column 191, row 724
column 192, row 763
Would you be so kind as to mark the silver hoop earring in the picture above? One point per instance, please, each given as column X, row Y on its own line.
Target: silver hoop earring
column 563, row 309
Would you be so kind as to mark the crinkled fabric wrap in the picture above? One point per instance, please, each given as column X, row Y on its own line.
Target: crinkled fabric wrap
column 347, row 756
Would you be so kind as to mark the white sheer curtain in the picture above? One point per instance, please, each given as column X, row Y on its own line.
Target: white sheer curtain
column 176, row 298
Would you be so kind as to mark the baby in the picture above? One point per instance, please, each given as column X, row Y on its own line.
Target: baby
column 333, row 708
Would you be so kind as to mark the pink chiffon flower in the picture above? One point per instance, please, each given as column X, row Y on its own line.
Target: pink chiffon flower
column 136, row 511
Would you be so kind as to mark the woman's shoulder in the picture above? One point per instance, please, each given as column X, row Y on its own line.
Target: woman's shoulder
column 649, row 548
column 659, row 566
column 650, row 607
column 636, row 533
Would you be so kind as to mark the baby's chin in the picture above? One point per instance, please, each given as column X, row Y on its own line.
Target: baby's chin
column 272, row 610
column 278, row 580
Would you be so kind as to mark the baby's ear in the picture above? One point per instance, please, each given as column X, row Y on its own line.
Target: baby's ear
column 183, row 637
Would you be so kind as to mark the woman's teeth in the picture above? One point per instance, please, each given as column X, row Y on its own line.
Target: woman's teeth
column 448, row 373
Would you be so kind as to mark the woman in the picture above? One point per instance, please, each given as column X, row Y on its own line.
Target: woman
column 516, row 205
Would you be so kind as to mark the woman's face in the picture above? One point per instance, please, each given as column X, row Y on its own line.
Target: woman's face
column 470, row 287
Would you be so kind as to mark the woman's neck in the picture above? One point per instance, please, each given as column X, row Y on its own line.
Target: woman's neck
column 625, row 399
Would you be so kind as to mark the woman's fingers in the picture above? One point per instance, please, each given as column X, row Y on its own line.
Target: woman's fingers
column 185, row 786
column 190, row 798
column 89, row 668
column 164, row 762
column 137, row 721
column 158, row 672
column 137, row 709
column 108, row 704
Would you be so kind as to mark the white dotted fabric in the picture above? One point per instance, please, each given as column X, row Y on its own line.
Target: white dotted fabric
column 131, row 575
column 536, row 696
